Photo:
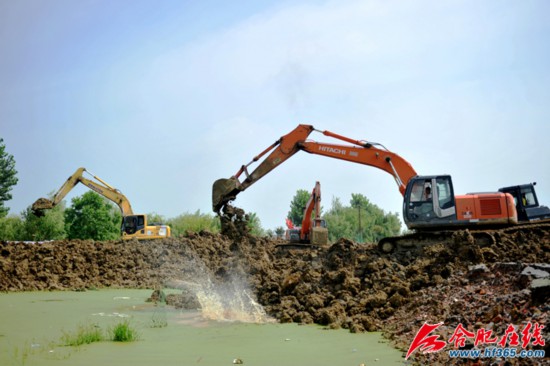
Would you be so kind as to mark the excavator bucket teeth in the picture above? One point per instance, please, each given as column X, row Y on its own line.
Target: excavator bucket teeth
column 223, row 191
column 40, row 205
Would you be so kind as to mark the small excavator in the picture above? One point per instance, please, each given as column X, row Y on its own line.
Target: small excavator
column 312, row 232
column 133, row 225
column 430, row 208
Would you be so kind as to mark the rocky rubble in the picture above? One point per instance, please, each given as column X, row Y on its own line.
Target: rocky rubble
column 347, row 285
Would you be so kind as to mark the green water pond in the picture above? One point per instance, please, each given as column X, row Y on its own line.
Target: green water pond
column 35, row 325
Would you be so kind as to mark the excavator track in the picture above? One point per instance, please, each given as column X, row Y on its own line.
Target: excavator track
column 482, row 237
column 298, row 246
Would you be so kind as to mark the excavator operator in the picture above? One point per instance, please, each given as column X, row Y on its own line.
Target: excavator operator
column 428, row 193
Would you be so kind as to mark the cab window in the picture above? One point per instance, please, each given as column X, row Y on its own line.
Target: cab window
column 141, row 222
column 527, row 197
column 444, row 193
column 421, row 191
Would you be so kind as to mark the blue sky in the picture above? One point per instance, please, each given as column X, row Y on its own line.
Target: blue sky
column 161, row 98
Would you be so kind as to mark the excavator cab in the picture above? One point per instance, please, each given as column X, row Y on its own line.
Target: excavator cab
column 429, row 201
column 132, row 224
column 136, row 226
column 527, row 204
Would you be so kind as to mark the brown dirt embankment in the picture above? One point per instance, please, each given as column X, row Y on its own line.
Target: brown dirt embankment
column 346, row 285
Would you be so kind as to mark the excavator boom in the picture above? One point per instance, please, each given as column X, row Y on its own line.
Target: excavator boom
column 370, row 155
column 363, row 152
column 314, row 231
column 313, row 205
column 98, row 186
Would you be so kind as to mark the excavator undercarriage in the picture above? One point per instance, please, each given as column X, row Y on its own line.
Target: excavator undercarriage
column 477, row 237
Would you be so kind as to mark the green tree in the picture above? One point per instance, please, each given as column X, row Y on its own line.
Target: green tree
column 359, row 202
column 51, row 226
column 361, row 221
column 193, row 222
column 340, row 221
column 297, row 206
column 8, row 177
column 254, row 224
column 11, row 228
column 280, row 231
column 154, row 218
column 92, row 217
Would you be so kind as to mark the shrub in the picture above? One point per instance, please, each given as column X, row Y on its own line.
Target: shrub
column 122, row 332
column 85, row 334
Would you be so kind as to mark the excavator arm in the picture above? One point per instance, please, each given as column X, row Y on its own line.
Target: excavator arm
column 361, row 152
column 225, row 190
column 313, row 205
column 98, row 186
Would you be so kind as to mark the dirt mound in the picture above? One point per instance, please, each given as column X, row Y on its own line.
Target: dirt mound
column 234, row 222
column 347, row 285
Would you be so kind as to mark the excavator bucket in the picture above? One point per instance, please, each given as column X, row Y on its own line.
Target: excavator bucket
column 223, row 191
column 40, row 205
column 319, row 236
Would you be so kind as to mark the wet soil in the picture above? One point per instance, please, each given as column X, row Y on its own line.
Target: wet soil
column 346, row 285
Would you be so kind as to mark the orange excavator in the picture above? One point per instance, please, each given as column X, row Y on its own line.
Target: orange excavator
column 430, row 205
column 312, row 231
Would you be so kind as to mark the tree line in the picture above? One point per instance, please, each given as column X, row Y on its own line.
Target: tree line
column 91, row 216
column 360, row 221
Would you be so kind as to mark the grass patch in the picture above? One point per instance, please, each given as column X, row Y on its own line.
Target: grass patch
column 123, row 332
column 85, row 334
column 20, row 356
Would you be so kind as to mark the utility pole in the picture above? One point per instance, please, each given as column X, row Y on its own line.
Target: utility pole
column 360, row 235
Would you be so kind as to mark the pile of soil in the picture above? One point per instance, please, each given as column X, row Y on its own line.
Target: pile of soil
column 347, row 285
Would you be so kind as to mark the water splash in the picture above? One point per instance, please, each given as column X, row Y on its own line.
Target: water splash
column 229, row 300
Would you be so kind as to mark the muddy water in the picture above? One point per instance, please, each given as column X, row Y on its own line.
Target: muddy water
column 32, row 326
